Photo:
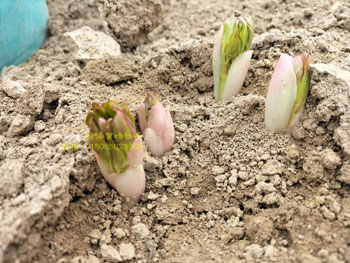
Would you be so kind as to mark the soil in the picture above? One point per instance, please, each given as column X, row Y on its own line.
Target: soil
column 229, row 191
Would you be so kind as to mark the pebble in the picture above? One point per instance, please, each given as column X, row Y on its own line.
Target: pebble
column 269, row 251
column 345, row 173
column 151, row 163
column 152, row 196
column 20, row 125
column 307, row 258
column 12, row 88
column 216, row 170
column 89, row 44
column 272, row 167
column 96, row 234
column 271, row 198
column 11, row 177
column 92, row 259
column 127, row 251
column 52, row 92
column 81, row 259
column 110, row 254
column 254, row 251
column 140, row 230
column 194, row 191
column 39, row 126
column 298, row 133
column 60, row 116
column 263, row 187
column 220, row 178
column 118, row 233
column 322, row 253
column 232, row 180
column 330, row 159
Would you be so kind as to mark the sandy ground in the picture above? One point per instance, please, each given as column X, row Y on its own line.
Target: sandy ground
column 229, row 191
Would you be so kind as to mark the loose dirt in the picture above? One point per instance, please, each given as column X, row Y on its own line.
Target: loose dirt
column 229, row 191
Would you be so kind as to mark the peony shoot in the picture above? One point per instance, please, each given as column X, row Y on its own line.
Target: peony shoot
column 231, row 56
column 117, row 148
column 156, row 125
column 287, row 92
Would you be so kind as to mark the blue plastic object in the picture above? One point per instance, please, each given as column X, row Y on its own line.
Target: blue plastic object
column 23, row 29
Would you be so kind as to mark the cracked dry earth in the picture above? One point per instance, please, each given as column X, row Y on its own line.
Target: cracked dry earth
column 229, row 191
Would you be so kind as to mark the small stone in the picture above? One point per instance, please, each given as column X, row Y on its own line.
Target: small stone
column 152, row 196
column 232, row 233
column 118, row 233
column 60, row 116
column 110, row 254
column 11, row 177
column 229, row 131
column 333, row 205
column 39, row 126
column 220, row 178
column 307, row 258
column 89, row 44
column 106, row 237
column 320, row 131
column 232, row 180
column 243, row 175
column 307, row 13
column 51, row 92
column 96, row 234
column 298, row 133
column 12, row 88
column 78, row 259
column 345, row 173
column 293, row 153
column 254, row 251
column 54, row 139
column 194, row 191
column 182, row 127
column 265, row 157
column 263, row 187
column 127, row 251
column 271, row 198
column 140, row 230
column 269, row 251
column 328, row 22
column 336, row 8
column 330, row 159
column 327, row 214
column 4, row 125
column 323, row 253
column 92, row 259
column 272, row 167
column 20, row 125
column 333, row 258
column 216, row 170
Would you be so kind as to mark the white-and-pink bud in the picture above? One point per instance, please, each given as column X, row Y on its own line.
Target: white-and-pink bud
column 287, row 92
column 156, row 125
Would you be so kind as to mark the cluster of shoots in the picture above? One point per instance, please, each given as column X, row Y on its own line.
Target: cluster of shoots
column 118, row 148
column 289, row 84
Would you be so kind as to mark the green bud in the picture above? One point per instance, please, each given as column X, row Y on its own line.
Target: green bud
column 236, row 38
column 112, row 133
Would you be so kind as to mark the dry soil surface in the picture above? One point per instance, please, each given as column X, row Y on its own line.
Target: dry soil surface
column 229, row 191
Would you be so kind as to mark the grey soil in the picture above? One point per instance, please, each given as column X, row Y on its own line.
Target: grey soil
column 229, row 191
